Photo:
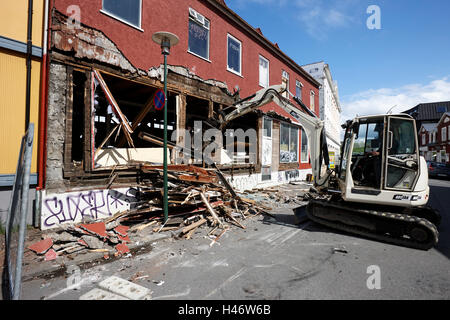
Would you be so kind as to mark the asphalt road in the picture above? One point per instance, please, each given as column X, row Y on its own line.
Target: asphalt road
column 276, row 259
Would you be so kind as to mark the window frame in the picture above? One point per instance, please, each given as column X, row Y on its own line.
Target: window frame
column 299, row 84
column 240, row 55
column 190, row 17
column 116, row 17
column 444, row 133
column 290, row 126
column 312, row 102
column 302, row 131
column 268, row 71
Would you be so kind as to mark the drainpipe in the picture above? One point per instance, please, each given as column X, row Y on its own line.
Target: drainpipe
column 43, row 102
column 29, row 48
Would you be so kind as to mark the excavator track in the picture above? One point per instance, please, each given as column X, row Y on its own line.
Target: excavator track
column 381, row 225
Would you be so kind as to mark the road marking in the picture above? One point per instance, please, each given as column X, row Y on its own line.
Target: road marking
column 230, row 279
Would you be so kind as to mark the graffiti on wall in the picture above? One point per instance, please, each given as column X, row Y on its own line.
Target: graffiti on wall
column 96, row 204
column 245, row 182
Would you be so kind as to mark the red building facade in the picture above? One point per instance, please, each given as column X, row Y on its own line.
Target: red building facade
column 105, row 70
column 136, row 43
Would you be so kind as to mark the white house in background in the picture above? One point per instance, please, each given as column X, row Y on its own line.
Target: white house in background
column 330, row 108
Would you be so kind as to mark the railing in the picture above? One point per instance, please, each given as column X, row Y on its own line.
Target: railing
column 17, row 219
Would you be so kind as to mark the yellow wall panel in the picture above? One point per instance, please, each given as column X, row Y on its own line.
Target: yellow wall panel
column 12, row 108
column 14, row 20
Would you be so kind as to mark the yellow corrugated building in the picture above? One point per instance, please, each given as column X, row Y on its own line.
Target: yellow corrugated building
column 13, row 74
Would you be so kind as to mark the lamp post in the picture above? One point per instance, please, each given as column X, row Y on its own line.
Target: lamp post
column 165, row 40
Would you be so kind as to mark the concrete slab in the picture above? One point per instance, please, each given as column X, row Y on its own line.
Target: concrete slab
column 99, row 294
column 125, row 288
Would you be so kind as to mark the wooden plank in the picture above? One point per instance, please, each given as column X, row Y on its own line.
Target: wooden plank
column 210, row 208
column 193, row 226
column 199, row 178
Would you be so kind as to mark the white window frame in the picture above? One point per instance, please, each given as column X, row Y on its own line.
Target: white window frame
column 240, row 55
column 302, row 131
column 285, row 75
column 298, row 84
column 424, row 139
column 444, row 133
column 197, row 17
column 112, row 15
column 312, row 102
column 298, row 141
column 266, row 118
column 268, row 72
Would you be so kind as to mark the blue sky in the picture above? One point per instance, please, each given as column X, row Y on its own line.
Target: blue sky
column 404, row 63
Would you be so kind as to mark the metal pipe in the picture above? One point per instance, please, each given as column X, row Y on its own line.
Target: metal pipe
column 43, row 103
column 166, row 201
column 29, row 48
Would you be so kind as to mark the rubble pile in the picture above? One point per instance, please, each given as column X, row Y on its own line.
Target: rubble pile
column 197, row 197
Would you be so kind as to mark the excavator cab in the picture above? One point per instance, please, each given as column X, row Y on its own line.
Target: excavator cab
column 381, row 162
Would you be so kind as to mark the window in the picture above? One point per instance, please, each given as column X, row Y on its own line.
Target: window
column 288, row 143
column 198, row 43
column 444, row 133
column 263, row 72
column 424, row 139
column 285, row 81
column 298, row 89
column 234, row 55
column 304, row 155
column 441, row 109
column 448, row 133
column 267, row 127
column 312, row 96
column 128, row 12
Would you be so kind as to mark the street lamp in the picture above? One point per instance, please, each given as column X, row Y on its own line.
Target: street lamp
column 165, row 40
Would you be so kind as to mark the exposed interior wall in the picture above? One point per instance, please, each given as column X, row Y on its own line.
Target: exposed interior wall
column 56, row 128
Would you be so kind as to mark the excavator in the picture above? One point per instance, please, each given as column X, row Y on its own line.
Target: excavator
column 379, row 189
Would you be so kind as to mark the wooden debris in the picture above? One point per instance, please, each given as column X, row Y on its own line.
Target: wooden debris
column 210, row 209
column 193, row 226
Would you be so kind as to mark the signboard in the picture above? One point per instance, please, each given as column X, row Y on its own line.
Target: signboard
column 332, row 159
column 159, row 100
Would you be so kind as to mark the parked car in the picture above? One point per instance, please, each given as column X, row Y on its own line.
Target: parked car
column 438, row 169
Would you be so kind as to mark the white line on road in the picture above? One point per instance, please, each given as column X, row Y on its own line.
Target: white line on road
column 230, row 279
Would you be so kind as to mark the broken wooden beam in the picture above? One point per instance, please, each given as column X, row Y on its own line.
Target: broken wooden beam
column 198, row 178
column 193, row 226
column 210, row 208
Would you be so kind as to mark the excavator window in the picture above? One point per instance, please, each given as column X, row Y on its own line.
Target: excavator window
column 367, row 154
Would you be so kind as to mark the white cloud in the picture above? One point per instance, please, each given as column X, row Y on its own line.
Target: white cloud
column 318, row 17
column 381, row 100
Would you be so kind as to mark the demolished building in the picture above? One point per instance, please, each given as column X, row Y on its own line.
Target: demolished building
column 102, row 128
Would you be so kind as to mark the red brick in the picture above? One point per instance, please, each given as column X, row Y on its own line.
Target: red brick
column 42, row 246
column 98, row 229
